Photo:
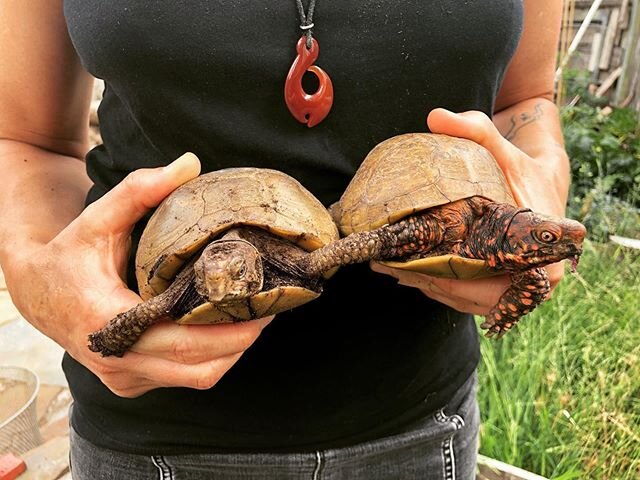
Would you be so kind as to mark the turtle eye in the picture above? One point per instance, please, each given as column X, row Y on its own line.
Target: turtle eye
column 242, row 270
column 547, row 237
column 238, row 267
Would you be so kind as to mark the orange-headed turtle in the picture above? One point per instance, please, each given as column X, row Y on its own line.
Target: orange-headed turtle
column 440, row 205
column 226, row 246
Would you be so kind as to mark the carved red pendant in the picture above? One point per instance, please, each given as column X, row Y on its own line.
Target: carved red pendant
column 308, row 108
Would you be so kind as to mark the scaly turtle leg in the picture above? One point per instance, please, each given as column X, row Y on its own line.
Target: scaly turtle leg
column 418, row 234
column 528, row 289
column 125, row 329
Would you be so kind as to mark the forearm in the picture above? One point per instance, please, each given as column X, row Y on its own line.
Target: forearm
column 533, row 125
column 42, row 193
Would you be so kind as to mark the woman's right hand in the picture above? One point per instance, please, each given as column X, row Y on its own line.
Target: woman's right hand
column 73, row 285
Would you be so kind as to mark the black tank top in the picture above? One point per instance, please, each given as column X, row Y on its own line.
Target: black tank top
column 207, row 76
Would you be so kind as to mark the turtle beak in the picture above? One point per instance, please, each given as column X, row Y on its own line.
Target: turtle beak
column 574, row 262
column 216, row 291
column 577, row 233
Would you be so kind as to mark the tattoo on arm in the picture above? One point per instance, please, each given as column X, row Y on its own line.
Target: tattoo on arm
column 522, row 119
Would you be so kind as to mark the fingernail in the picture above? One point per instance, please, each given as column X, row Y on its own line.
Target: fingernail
column 184, row 167
column 267, row 320
column 447, row 112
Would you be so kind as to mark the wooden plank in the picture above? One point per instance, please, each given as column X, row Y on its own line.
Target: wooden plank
column 637, row 102
column 631, row 62
column 578, row 37
column 624, row 14
column 623, row 22
column 617, row 57
column 609, row 37
column 626, row 242
column 596, row 51
column 491, row 469
column 608, row 82
column 580, row 4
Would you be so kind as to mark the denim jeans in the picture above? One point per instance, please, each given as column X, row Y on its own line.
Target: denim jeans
column 440, row 446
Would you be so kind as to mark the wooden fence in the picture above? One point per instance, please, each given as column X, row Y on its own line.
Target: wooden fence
column 601, row 37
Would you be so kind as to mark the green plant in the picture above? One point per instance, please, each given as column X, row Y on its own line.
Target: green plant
column 603, row 144
column 605, row 214
column 560, row 395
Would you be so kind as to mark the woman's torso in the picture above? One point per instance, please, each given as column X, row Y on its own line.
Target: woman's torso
column 208, row 77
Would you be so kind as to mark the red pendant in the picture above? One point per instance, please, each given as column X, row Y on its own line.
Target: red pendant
column 306, row 108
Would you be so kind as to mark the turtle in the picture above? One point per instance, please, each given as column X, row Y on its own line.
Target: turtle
column 421, row 201
column 223, row 247
column 441, row 205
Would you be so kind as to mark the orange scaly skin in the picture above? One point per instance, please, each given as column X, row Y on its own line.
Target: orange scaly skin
column 528, row 289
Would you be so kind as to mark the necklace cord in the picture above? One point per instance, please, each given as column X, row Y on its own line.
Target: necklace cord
column 306, row 19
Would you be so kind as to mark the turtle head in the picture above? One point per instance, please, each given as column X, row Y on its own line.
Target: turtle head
column 228, row 270
column 536, row 240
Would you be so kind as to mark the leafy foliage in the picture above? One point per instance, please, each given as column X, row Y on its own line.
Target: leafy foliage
column 604, row 146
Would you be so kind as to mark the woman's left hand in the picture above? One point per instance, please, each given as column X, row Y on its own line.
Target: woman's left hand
column 536, row 183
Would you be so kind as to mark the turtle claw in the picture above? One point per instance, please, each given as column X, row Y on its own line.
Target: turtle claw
column 497, row 329
column 493, row 332
column 486, row 324
column 97, row 344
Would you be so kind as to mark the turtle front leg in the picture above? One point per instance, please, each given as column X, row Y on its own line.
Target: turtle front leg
column 528, row 289
column 117, row 336
column 125, row 329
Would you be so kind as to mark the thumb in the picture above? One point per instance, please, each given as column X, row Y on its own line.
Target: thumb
column 478, row 127
column 474, row 126
column 120, row 208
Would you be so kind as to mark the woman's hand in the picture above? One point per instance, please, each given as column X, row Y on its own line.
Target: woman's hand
column 72, row 286
column 537, row 183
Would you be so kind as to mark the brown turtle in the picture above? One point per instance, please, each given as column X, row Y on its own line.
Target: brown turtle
column 224, row 247
column 440, row 205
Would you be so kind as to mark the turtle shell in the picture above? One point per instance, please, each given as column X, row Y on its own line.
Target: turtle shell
column 205, row 207
column 413, row 172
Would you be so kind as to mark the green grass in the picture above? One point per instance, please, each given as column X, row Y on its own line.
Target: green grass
column 560, row 395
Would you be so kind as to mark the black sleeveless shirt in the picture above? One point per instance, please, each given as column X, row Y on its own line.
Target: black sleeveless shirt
column 368, row 356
